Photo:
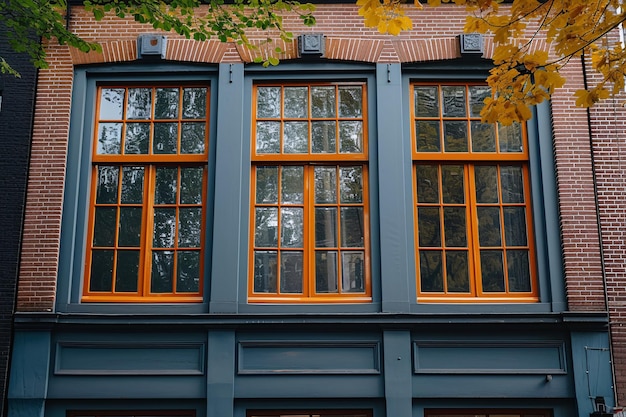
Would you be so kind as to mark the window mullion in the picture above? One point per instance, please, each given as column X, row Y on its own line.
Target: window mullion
column 145, row 270
column 309, row 232
column 472, row 224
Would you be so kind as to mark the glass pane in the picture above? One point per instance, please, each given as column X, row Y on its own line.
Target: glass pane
column 166, row 185
column 352, row 235
column 191, row 185
column 129, row 234
column 166, row 104
column 296, row 137
column 268, row 102
column 323, row 102
column 324, row 137
column 267, row 185
column 127, row 271
column 518, row 269
column 192, row 138
column 457, row 271
column 478, row 94
column 455, row 136
column 350, row 101
column 454, row 226
column 109, row 138
column 139, row 103
column 296, row 102
column 194, row 103
column 132, row 185
column 111, row 104
column 351, row 137
column 325, row 185
column 427, row 183
column 188, row 272
column 165, row 138
column 453, row 184
column 431, row 271
column 292, row 182
column 162, row 271
column 483, row 137
column 268, row 137
column 326, row 227
column 427, row 136
column 429, row 227
column 510, row 138
column 266, row 227
column 291, row 227
column 108, row 177
column 137, row 139
column 190, row 222
column 101, row 275
column 265, row 270
column 486, row 181
column 326, row 272
column 489, row 226
column 351, row 187
column 512, row 184
column 291, row 272
column 492, row 270
column 104, row 227
column 352, row 271
column 164, row 227
column 515, row 226
column 426, row 101
column 453, row 101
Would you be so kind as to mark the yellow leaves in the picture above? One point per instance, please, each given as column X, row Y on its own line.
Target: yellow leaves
column 387, row 17
column 587, row 98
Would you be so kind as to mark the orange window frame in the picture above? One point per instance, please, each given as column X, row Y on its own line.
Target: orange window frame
column 309, row 161
column 470, row 160
column 149, row 162
column 487, row 412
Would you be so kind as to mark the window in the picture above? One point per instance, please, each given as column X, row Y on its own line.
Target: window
column 487, row 413
column 472, row 209
column 300, row 413
column 309, row 217
column 148, row 181
column 133, row 413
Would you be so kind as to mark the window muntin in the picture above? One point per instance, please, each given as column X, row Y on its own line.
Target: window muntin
column 146, row 221
column 310, row 213
column 472, row 200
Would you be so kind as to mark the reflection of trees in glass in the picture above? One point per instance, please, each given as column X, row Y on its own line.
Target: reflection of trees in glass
column 109, row 138
column 268, row 137
column 166, row 103
column 139, row 103
column 296, row 102
column 323, row 102
column 426, row 101
column 268, row 102
column 350, row 101
column 108, row 177
column 453, row 101
column 111, row 104
column 351, row 136
column 194, row 103
column 427, row 136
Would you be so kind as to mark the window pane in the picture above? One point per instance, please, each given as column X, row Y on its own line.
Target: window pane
column 454, row 225
column 108, row 177
column 351, row 137
column 137, row 139
column 268, row 137
column 101, row 274
column 429, row 227
column 139, row 103
column 492, row 270
column 427, row 136
column 291, row 227
column 457, row 271
column 166, row 185
column 453, row 184
column 296, row 102
column 431, row 271
column 350, row 99
column 132, row 185
column 483, row 137
column 455, row 136
column 325, row 185
column 266, row 185
column 323, row 102
column 510, row 138
column 129, row 234
column 111, row 104
column 109, row 138
column 326, row 227
column 489, row 233
column 351, row 187
column 166, row 104
column 265, row 270
column 189, row 227
column 164, row 227
column 352, row 267
column 326, row 272
column 291, row 272
column 427, row 183
column 296, row 137
column 515, row 226
column 324, row 137
column 352, row 227
column 266, row 227
column 194, row 103
column 188, row 272
column 518, row 269
column 191, row 185
column 192, row 138
column 105, row 225
column 453, row 101
column 426, row 101
column 292, row 182
column 162, row 271
column 165, row 138
column 486, row 180
column 127, row 272
column 268, row 102
column 512, row 184
column 478, row 94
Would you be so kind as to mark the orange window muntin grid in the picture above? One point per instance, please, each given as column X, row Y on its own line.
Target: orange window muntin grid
column 309, row 161
column 149, row 162
column 469, row 160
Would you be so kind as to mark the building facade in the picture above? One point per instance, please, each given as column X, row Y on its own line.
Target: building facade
column 338, row 235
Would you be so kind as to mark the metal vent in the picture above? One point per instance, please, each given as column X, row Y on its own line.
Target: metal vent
column 311, row 45
column 471, row 43
column 151, row 46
